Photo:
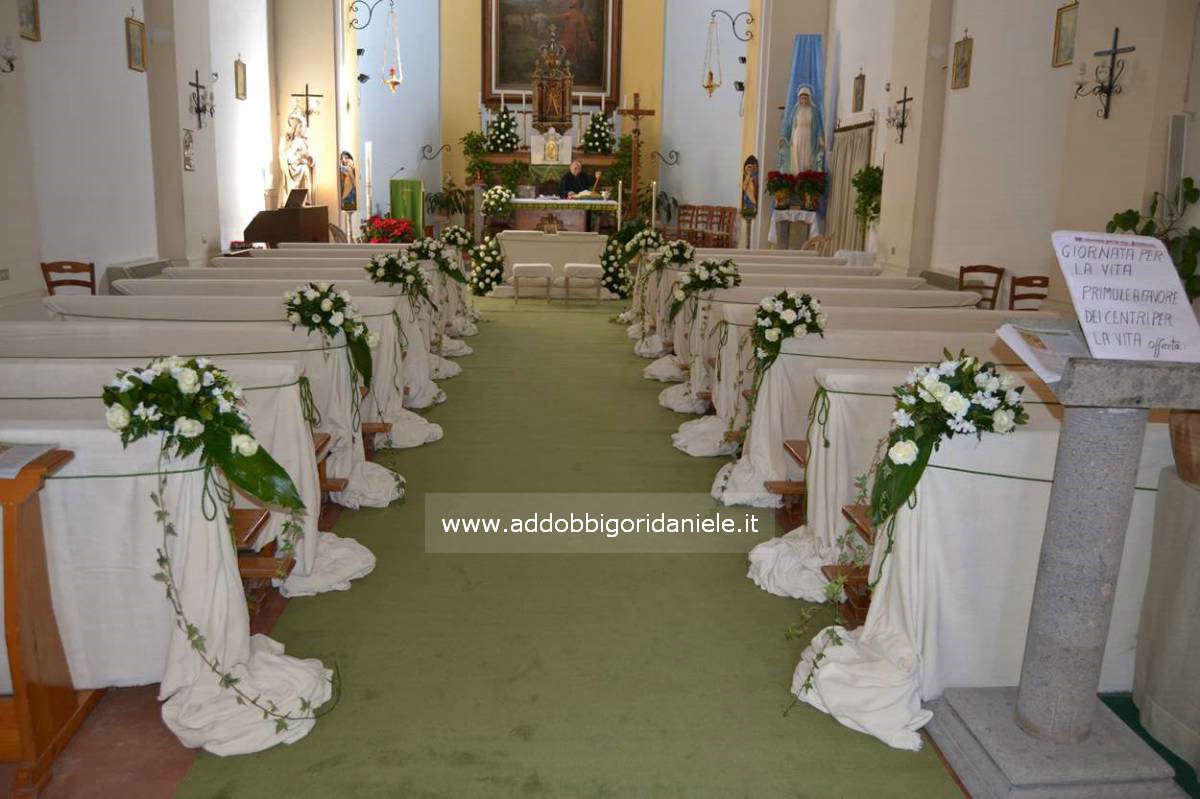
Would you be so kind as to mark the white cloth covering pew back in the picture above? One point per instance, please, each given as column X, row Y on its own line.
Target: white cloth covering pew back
column 419, row 372
column 386, row 399
column 72, row 389
column 952, row 606
column 116, row 626
column 335, row 246
column 327, row 369
column 780, row 267
column 786, row 392
column 795, row 256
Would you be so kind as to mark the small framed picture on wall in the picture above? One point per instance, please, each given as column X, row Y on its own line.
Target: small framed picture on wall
column 29, row 20
column 239, row 79
column 135, row 44
column 1064, row 35
column 960, row 75
column 860, row 91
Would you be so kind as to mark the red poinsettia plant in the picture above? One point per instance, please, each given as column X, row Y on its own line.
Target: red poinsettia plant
column 780, row 182
column 385, row 230
column 810, row 182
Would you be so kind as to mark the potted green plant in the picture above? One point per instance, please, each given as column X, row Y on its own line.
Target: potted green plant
column 475, row 147
column 868, row 189
column 1164, row 221
column 448, row 202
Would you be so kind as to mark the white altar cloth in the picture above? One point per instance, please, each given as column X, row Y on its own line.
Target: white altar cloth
column 790, row 215
column 414, row 321
column 384, row 403
column 952, row 607
column 126, row 344
column 759, row 254
column 116, row 626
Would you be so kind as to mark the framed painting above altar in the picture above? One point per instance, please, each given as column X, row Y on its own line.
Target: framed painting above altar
column 589, row 30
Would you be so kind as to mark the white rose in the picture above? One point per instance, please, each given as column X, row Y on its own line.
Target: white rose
column 208, row 379
column 188, row 428
column 117, row 418
column 821, row 320
column 1007, row 382
column 294, row 318
column 309, row 294
column 287, row 296
column 903, row 453
column 908, row 399
column 956, row 404
column 326, row 304
column 337, row 320
column 679, row 294
column 902, row 418
column 1002, row 421
column 788, row 316
column 772, row 334
column 316, row 318
column 409, row 279
column 372, row 340
column 243, row 444
column 702, row 273
column 379, row 273
column 187, row 380
column 936, row 388
column 322, row 287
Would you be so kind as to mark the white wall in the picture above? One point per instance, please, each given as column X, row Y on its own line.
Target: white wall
column 1002, row 141
column 705, row 130
column 243, row 127
column 399, row 124
column 19, row 233
column 88, row 116
column 860, row 38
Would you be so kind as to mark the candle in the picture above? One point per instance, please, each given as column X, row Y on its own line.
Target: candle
column 653, row 202
column 501, row 99
column 620, row 201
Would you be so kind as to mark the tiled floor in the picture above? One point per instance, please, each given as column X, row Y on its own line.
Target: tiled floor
column 123, row 749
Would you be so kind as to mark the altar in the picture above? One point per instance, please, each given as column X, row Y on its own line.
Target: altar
column 531, row 214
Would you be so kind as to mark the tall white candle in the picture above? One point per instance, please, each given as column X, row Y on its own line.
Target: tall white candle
column 620, row 201
column 653, row 202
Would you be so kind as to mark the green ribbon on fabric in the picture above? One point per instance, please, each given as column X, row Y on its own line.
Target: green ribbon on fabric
column 308, row 405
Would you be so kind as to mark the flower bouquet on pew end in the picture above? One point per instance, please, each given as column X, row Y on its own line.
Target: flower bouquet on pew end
column 487, row 267
column 395, row 270
column 676, row 252
column 458, row 237
column 786, row 315
column 315, row 306
column 385, row 230
column 708, row 275
column 431, row 249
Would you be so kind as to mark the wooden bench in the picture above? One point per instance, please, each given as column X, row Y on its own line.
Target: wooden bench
column 854, row 608
column 794, row 511
column 369, row 431
column 798, row 449
column 330, row 510
column 44, row 710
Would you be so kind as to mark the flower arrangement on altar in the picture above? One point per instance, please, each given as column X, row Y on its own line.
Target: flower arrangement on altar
column 385, row 230
column 810, row 187
column 496, row 201
column 315, row 306
column 708, row 275
column 395, row 270
column 782, row 185
column 457, row 236
column 488, row 266
column 502, row 132
column 599, row 136
column 195, row 408
column 431, row 249
column 779, row 318
column 677, row 252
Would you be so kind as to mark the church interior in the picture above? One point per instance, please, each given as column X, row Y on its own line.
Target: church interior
column 600, row 398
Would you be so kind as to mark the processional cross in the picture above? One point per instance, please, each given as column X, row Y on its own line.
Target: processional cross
column 636, row 113
column 309, row 109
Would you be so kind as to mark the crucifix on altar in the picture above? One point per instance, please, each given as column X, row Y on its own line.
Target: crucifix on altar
column 636, row 113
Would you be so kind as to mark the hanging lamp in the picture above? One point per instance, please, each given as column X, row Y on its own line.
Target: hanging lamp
column 393, row 74
column 712, row 59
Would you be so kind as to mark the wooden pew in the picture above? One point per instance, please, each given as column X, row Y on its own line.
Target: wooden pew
column 45, row 710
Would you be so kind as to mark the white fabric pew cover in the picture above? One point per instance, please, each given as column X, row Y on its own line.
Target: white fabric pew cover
column 116, row 625
column 328, row 372
column 384, row 403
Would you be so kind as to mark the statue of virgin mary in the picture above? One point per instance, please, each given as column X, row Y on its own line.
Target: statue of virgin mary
column 804, row 143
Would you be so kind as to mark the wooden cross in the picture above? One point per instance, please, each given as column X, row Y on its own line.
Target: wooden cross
column 1115, row 68
column 308, row 109
column 199, row 93
column 636, row 113
column 902, row 122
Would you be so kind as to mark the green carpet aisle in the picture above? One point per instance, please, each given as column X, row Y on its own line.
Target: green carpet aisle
column 556, row 675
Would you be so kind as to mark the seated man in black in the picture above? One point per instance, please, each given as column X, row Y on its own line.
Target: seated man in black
column 575, row 181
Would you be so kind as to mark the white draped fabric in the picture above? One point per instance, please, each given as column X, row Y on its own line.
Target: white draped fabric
column 787, row 389
column 418, row 369
column 952, row 606
column 327, row 369
column 386, row 399
column 116, row 625
column 791, row 256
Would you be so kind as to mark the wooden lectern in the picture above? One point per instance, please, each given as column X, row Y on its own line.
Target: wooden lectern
column 45, row 710
column 309, row 223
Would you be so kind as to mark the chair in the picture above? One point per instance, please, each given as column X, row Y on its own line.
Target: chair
column 587, row 273
column 720, row 232
column 53, row 268
column 531, row 272
column 337, row 234
column 821, row 245
column 988, row 292
column 1017, row 291
column 685, row 223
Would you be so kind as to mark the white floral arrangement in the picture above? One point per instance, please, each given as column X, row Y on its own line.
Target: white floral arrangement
column 959, row 396
column 617, row 278
column 496, row 201
column 457, row 236
column 431, row 249
column 781, row 317
column 502, row 133
column 487, row 271
column 395, row 270
column 645, row 240
column 677, row 252
column 315, row 306
column 708, row 275
column 599, row 136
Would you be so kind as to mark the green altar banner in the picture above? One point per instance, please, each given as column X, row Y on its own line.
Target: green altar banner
column 408, row 202
column 544, row 172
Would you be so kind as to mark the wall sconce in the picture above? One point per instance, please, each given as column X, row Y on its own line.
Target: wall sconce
column 1106, row 82
column 712, row 77
column 201, row 103
column 897, row 114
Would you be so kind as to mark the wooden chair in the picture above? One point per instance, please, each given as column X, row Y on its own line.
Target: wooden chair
column 685, row 223
column 720, row 233
column 51, row 269
column 336, row 234
column 988, row 292
column 1018, row 291
column 820, row 245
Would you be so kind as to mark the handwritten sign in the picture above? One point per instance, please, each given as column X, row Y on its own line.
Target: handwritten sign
column 1127, row 294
